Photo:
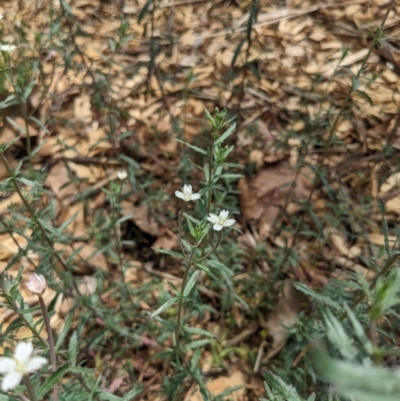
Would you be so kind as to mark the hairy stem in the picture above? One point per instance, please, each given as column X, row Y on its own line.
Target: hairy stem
column 29, row 387
column 180, row 306
column 50, row 339
column 180, row 229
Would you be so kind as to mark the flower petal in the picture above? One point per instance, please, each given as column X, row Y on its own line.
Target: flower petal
column 195, row 196
column 217, row 227
column 35, row 364
column 6, row 364
column 36, row 283
column 213, row 218
column 229, row 222
column 23, row 351
column 187, row 189
column 11, row 380
column 223, row 215
column 179, row 194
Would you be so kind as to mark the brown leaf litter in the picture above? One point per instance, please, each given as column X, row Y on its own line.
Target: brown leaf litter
column 302, row 73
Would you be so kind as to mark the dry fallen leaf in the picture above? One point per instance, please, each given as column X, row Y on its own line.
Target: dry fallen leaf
column 222, row 384
column 60, row 183
column 284, row 315
column 141, row 218
column 262, row 196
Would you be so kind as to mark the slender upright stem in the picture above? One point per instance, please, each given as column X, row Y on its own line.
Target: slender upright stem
column 180, row 229
column 180, row 306
column 184, row 281
column 213, row 249
column 210, row 174
column 28, row 136
column 29, row 387
column 36, row 219
column 50, row 339
column 15, row 308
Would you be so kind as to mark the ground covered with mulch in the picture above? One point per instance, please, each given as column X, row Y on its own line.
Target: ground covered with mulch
column 114, row 84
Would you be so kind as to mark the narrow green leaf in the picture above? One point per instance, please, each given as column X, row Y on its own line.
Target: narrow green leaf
column 170, row 253
column 191, row 229
column 190, row 284
column 361, row 381
column 163, row 307
column 65, row 330
column 284, row 390
column 321, row 298
column 84, row 371
column 197, row 330
column 208, row 271
column 52, row 381
column 359, row 331
column 73, row 348
column 133, row 393
column 196, row 344
column 208, row 115
column 338, row 336
column 10, row 101
column 384, row 226
column 207, row 172
column 229, row 175
column 144, row 10
column 104, row 395
column 225, row 135
column 195, row 148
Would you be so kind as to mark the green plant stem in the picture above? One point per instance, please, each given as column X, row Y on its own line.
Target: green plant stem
column 213, row 249
column 35, row 219
column 15, row 308
column 30, row 327
column 28, row 136
column 46, row 238
column 210, row 177
column 383, row 272
column 50, row 338
column 29, row 387
column 184, row 281
column 210, row 171
column 180, row 229
column 180, row 306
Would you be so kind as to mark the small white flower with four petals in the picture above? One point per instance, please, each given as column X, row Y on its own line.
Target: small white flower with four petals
column 22, row 363
column 220, row 221
column 187, row 193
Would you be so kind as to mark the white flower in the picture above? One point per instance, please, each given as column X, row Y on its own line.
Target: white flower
column 36, row 283
column 122, row 175
column 220, row 221
column 1, row 16
column 187, row 194
column 23, row 362
column 7, row 48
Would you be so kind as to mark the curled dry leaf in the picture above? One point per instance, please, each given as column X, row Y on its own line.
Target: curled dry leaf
column 21, row 129
column 82, row 108
column 284, row 315
column 60, row 183
column 141, row 218
column 167, row 240
column 10, row 246
column 340, row 242
column 262, row 196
